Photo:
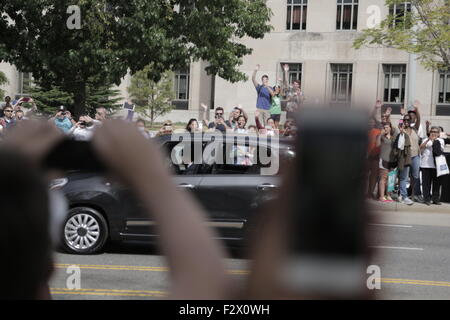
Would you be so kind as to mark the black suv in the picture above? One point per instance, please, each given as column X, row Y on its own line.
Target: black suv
column 230, row 190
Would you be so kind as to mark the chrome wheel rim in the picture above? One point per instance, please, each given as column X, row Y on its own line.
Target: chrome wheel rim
column 82, row 231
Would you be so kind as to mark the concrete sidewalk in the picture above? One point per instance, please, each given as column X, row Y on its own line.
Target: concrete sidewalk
column 416, row 207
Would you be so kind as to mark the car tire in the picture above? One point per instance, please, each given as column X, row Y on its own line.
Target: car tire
column 85, row 231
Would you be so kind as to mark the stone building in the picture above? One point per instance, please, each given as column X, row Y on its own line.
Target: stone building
column 315, row 38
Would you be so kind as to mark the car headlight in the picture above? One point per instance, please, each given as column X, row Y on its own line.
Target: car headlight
column 58, row 183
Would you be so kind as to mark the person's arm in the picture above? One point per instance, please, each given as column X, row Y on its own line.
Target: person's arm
column 243, row 112
column 193, row 255
column 272, row 93
column 71, row 130
column 257, row 122
column 205, row 109
column 379, row 138
column 424, row 144
column 255, row 83
column 403, row 111
column 427, row 128
column 285, row 85
column 387, row 113
column 225, row 123
column 416, row 108
column 376, row 112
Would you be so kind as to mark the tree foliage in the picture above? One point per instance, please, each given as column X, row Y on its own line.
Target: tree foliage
column 424, row 31
column 152, row 99
column 118, row 36
column 49, row 99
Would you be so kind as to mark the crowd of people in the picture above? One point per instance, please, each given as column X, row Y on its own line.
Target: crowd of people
column 407, row 152
column 267, row 114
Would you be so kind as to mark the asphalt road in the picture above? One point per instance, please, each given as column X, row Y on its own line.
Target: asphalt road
column 413, row 253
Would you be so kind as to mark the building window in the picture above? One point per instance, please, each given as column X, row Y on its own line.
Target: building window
column 25, row 82
column 296, row 14
column 295, row 72
column 400, row 13
column 341, row 83
column 181, row 83
column 347, row 15
column 394, row 83
column 443, row 100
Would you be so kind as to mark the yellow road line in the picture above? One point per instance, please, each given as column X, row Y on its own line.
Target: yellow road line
column 416, row 282
column 132, row 268
column 109, row 292
column 106, row 294
column 113, row 290
column 241, row 272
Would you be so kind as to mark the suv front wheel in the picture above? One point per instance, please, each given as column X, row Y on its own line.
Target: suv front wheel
column 85, row 231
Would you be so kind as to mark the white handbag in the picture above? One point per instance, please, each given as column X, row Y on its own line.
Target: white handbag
column 441, row 166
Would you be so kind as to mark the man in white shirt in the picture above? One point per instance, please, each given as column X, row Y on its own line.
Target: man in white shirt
column 427, row 164
column 83, row 129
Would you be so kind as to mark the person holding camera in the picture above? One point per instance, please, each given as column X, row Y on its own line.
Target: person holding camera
column 83, row 129
column 165, row 129
column 385, row 141
column 219, row 123
column 402, row 153
column 234, row 116
column 62, row 120
column 430, row 148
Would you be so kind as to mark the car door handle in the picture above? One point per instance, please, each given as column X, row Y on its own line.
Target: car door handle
column 266, row 186
column 186, row 185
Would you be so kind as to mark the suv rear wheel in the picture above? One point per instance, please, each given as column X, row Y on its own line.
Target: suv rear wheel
column 85, row 231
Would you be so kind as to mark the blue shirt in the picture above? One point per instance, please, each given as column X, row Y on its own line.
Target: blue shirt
column 263, row 100
column 65, row 124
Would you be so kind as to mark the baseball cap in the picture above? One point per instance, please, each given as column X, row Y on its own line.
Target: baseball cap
column 61, row 108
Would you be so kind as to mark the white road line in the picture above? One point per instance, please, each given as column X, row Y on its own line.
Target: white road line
column 390, row 225
column 400, row 248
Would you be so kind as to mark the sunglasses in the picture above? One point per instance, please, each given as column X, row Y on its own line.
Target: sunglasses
column 434, row 131
column 8, row 111
column 219, row 113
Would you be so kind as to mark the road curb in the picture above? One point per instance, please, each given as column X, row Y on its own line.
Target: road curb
column 416, row 207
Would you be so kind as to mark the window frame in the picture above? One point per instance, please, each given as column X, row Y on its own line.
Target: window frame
column 334, row 90
column 353, row 15
column 394, row 8
column 181, row 104
column 443, row 108
column 290, row 5
column 402, row 82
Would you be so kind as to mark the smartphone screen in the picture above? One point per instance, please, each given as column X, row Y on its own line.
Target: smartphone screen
column 328, row 239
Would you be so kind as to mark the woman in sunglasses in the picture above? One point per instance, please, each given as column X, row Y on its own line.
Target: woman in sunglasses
column 431, row 147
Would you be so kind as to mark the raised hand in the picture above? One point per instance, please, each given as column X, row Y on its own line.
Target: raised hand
column 378, row 104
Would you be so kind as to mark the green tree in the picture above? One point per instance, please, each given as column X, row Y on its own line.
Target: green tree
column 118, row 36
column 430, row 39
column 3, row 81
column 152, row 99
column 49, row 99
